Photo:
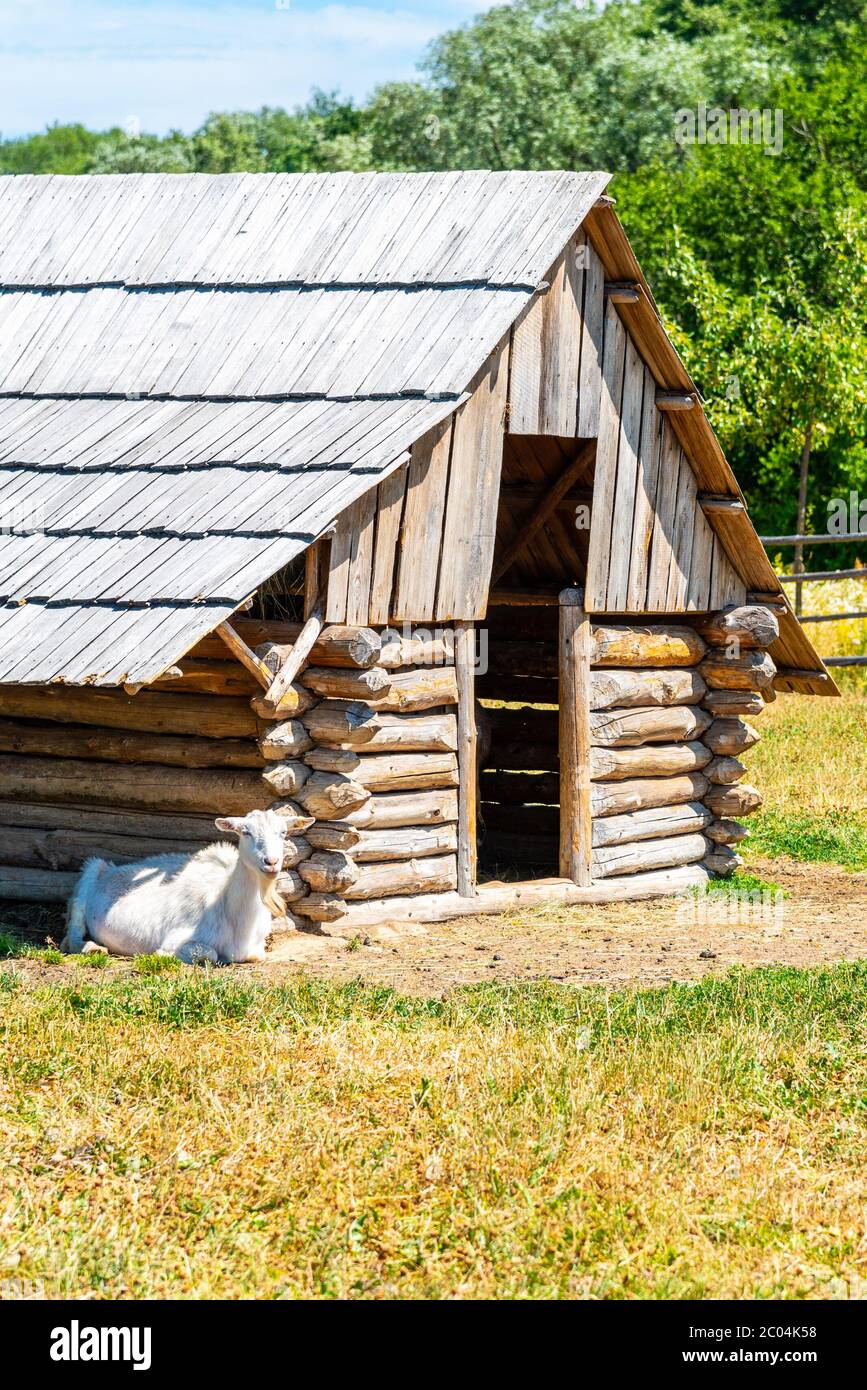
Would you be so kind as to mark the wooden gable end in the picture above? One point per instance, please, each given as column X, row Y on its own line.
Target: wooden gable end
column 555, row 371
column 420, row 545
column 651, row 549
column 586, row 360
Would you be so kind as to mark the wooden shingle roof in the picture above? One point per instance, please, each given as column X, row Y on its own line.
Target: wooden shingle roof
column 198, row 373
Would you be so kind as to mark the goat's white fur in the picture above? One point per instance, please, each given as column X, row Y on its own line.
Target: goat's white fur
column 215, row 905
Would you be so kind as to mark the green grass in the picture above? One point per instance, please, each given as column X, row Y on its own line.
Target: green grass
column 156, row 965
column 809, row 767
column 740, row 882
column 833, row 838
column 199, row 1134
column 12, row 946
column 94, row 960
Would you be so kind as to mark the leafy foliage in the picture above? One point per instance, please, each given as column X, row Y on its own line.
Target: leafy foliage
column 757, row 258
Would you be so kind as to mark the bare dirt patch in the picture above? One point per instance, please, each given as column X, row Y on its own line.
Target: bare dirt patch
column 823, row 918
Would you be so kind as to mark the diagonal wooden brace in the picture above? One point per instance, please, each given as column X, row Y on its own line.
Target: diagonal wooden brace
column 296, row 659
column 239, row 649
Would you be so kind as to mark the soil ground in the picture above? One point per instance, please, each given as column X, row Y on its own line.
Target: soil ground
column 821, row 917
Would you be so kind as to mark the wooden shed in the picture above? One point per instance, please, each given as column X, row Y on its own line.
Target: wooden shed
column 383, row 496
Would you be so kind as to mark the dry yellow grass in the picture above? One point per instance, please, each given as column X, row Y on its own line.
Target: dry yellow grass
column 812, row 755
column 199, row 1136
column 811, row 768
column 843, row 638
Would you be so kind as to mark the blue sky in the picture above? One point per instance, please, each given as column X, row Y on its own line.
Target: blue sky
column 166, row 63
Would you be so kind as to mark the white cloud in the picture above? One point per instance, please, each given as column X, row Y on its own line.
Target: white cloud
column 98, row 61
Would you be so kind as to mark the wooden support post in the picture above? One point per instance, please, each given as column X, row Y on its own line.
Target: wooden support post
column 576, row 827
column 238, row 647
column 296, row 659
column 465, row 639
column 623, row 291
column 314, row 578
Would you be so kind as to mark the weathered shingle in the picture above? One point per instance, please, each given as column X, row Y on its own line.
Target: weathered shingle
column 198, row 373
column 289, row 229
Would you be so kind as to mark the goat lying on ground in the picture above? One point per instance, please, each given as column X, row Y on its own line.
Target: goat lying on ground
column 214, row 905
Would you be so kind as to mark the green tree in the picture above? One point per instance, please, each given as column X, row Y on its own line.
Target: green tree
column 61, row 149
column 119, row 153
column 326, row 134
column 545, row 84
column 759, row 266
column 228, row 143
column 784, row 374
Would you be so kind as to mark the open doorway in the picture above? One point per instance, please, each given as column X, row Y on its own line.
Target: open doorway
column 543, row 524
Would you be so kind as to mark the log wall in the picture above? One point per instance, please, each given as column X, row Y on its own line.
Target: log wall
column 367, row 741
column 668, row 721
column 379, row 748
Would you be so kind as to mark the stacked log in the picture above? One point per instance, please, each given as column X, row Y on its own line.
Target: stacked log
column 122, row 775
column 369, row 749
column 365, row 741
column 647, row 750
column 738, row 671
column 666, row 734
column 103, row 773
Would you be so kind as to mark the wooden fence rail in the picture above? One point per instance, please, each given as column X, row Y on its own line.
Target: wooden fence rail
column 817, row 577
column 815, row 540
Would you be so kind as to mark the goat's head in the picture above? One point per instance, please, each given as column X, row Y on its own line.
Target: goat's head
column 261, row 839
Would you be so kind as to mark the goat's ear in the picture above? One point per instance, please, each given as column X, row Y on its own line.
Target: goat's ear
column 233, row 824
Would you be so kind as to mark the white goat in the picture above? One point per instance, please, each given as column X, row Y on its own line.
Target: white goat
column 214, row 905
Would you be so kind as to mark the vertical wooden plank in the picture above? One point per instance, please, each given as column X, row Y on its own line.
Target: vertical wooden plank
column 735, row 588
column 719, row 577
column 338, row 569
column 351, row 563
column 627, row 469
column 701, row 563
column 525, row 383
column 576, row 824
column 663, row 523
column 606, row 462
column 645, row 499
column 590, row 369
column 388, row 514
column 465, row 665
column 474, row 485
column 546, row 354
column 421, row 531
column 561, row 346
column 361, row 561
column 315, row 576
column 726, row 585
column 681, row 544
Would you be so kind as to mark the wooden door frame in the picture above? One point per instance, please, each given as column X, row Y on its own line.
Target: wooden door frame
column 576, row 824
